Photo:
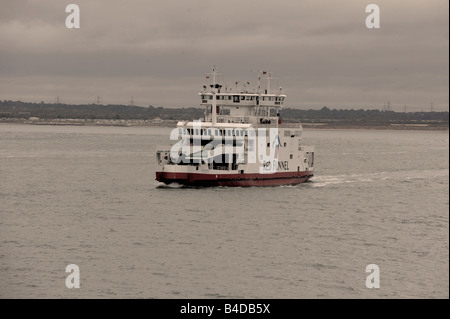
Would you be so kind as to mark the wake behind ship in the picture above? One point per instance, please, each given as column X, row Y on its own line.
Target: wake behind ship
column 241, row 141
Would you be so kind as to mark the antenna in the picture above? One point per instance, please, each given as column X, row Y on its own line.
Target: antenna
column 98, row 100
column 259, row 79
column 215, row 88
column 57, row 100
column 216, row 78
column 269, row 78
column 131, row 102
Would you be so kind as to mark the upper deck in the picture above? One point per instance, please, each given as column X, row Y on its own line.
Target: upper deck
column 243, row 99
column 258, row 106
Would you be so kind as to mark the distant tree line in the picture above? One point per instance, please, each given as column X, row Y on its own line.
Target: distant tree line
column 326, row 115
column 18, row 109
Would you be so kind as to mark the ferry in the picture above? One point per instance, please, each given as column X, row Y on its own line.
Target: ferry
column 240, row 141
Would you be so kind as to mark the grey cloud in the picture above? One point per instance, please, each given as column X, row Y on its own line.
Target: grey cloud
column 159, row 51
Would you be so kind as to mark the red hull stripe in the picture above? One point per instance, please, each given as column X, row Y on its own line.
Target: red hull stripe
column 198, row 179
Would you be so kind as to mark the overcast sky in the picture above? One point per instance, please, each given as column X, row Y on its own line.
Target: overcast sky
column 159, row 51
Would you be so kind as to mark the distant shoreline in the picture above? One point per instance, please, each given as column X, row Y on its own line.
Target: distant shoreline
column 390, row 127
column 173, row 123
column 130, row 115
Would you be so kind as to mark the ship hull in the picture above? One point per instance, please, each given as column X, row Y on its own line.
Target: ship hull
column 234, row 180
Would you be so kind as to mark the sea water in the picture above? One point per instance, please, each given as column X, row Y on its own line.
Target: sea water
column 87, row 195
